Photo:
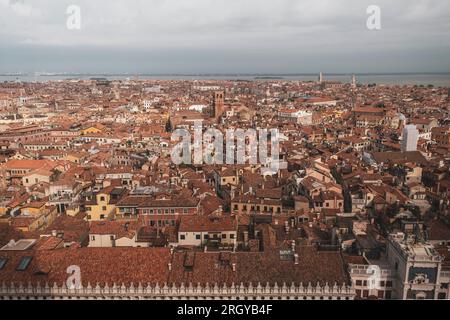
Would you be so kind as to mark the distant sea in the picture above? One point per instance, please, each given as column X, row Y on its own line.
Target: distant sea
column 435, row 79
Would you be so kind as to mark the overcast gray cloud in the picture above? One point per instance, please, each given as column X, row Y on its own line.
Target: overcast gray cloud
column 190, row 36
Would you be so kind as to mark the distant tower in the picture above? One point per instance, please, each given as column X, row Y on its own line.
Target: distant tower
column 218, row 103
column 320, row 77
column 410, row 138
column 354, row 81
column 116, row 91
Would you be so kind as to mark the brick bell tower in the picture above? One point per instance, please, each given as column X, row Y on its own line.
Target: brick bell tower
column 218, row 104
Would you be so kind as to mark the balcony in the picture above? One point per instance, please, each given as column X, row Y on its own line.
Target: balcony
column 66, row 198
column 361, row 269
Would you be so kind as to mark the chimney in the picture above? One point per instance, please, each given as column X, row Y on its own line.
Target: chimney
column 286, row 226
column 333, row 235
column 54, row 233
column 245, row 237
column 296, row 258
column 293, row 245
column 234, row 266
column 170, row 266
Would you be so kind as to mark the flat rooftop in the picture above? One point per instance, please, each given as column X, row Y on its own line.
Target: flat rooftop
column 20, row 245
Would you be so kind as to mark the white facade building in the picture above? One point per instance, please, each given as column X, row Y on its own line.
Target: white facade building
column 296, row 116
column 410, row 138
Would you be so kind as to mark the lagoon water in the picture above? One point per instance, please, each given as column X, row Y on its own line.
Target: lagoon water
column 435, row 79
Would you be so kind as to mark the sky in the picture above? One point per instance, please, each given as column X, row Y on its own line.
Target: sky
column 224, row 36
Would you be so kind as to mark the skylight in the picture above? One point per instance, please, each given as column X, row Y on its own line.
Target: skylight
column 3, row 262
column 23, row 264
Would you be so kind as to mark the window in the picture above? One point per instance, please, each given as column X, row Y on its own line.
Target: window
column 388, row 295
column 206, row 236
column 358, row 282
column 103, row 208
column 102, row 198
column 197, row 236
column 166, row 211
column 111, row 238
column 24, row 263
column 389, row 284
column 93, row 238
column 442, row 296
column 232, row 236
column 224, row 236
column 182, row 237
column 3, row 262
